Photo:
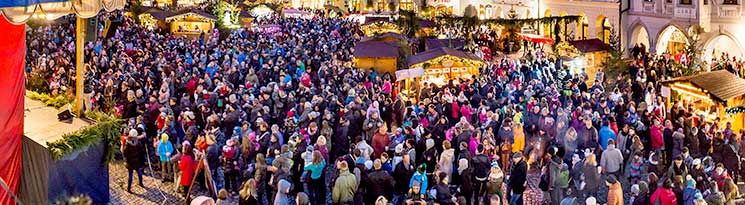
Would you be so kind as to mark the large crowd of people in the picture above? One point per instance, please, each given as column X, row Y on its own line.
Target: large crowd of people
column 286, row 118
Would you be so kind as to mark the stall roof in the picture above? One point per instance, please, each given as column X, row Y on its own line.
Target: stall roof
column 386, row 35
column 590, row 45
column 375, row 49
column 721, row 84
column 192, row 11
column 433, row 43
column 157, row 13
column 426, row 23
column 442, row 51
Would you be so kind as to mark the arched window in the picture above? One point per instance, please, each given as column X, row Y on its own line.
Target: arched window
column 606, row 31
column 583, row 27
column 489, row 12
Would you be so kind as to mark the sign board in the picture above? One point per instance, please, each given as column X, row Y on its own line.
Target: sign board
column 409, row 73
column 665, row 91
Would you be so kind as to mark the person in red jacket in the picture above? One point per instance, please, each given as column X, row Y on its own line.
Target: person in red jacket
column 664, row 194
column 655, row 132
column 380, row 142
column 188, row 166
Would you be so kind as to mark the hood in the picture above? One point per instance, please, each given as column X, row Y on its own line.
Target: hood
column 284, row 186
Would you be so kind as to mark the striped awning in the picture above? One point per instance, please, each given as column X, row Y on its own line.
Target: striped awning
column 20, row 11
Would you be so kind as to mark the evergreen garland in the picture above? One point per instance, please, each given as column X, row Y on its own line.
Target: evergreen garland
column 56, row 102
column 107, row 128
column 735, row 110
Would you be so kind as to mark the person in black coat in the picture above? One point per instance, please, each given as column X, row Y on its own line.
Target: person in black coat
column 518, row 176
column 379, row 183
column 402, row 174
column 481, row 167
column 133, row 152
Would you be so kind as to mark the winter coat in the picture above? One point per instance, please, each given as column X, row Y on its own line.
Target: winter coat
column 188, row 166
column 134, row 154
column 422, row 179
column 344, row 188
column 379, row 183
column 401, row 174
column 655, row 132
column 615, row 194
column 518, row 176
column 519, row 139
column 446, row 162
column 678, row 143
column 605, row 134
column 612, row 159
column 379, row 142
column 666, row 197
column 165, row 147
column 284, row 188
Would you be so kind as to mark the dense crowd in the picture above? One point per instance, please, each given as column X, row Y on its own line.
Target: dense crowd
column 283, row 114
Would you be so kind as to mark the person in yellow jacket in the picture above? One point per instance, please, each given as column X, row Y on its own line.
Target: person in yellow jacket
column 518, row 137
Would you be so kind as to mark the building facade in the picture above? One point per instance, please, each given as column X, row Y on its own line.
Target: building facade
column 597, row 18
column 665, row 26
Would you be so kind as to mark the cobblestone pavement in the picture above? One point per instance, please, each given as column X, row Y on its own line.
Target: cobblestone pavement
column 149, row 194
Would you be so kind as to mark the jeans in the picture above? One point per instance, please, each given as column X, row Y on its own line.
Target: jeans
column 317, row 191
column 129, row 181
column 479, row 192
column 516, row 199
column 166, row 170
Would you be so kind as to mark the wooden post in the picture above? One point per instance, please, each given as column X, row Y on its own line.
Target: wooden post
column 81, row 25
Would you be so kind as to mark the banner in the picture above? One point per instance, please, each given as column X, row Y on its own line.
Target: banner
column 12, row 83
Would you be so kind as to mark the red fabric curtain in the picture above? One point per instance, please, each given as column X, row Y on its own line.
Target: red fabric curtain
column 12, row 83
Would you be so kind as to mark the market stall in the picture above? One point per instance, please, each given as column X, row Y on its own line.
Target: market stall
column 380, row 56
column 533, row 38
column 295, row 13
column 379, row 26
column 444, row 64
column 190, row 22
column 715, row 96
column 591, row 55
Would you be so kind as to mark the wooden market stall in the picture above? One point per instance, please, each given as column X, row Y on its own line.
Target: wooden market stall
column 380, row 56
column 715, row 96
column 190, row 22
column 379, row 26
column 443, row 64
column 153, row 18
column 594, row 52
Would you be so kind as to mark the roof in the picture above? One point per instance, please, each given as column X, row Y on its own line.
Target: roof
column 433, row 43
column 426, row 23
column 590, row 45
column 720, row 84
column 394, row 35
column 442, row 51
column 192, row 11
column 375, row 49
column 371, row 20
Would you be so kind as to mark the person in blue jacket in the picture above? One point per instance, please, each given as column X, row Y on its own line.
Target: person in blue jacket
column 165, row 150
column 606, row 133
column 420, row 176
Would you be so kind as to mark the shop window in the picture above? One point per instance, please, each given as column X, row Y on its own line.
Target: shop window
column 730, row 2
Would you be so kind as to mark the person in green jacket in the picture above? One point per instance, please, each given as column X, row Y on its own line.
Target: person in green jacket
column 345, row 186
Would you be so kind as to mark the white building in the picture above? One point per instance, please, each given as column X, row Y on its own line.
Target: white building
column 664, row 25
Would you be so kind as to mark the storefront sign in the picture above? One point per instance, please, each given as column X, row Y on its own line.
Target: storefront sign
column 409, row 73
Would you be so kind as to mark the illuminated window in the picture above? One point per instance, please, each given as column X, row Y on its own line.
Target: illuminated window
column 730, row 2
column 582, row 27
column 685, row 2
column 406, row 5
column 606, row 31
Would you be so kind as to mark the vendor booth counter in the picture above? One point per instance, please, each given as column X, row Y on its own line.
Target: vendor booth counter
column 716, row 97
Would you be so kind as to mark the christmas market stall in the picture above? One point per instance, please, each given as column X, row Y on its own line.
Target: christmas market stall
column 153, row 18
column 444, row 64
column 295, row 13
column 590, row 55
column 190, row 22
column 716, row 97
column 379, row 26
column 380, row 56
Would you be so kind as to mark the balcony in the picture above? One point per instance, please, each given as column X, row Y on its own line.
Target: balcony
column 729, row 11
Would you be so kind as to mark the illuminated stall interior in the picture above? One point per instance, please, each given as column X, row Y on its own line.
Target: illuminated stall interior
column 444, row 64
column 593, row 54
column 191, row 22
column 717, row 94
column 371, row 28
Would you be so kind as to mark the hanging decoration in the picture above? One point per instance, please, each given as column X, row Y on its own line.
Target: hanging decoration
column 380, row 27
column 18, row 12
column 735, row 110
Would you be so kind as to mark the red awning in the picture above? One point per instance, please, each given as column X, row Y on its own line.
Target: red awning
column 535, row 38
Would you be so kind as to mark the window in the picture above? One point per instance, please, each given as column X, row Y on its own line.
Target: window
column 606, row 31
column 406, row 5
column 685, row 2
column 582, row 27
column 668, row 1
column 730, row 2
